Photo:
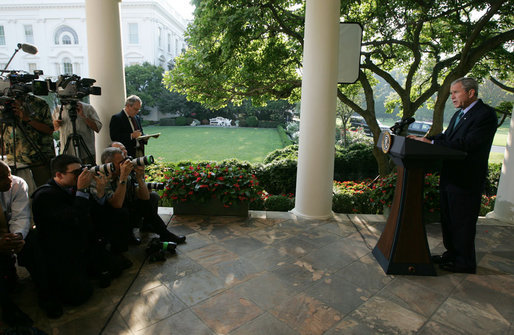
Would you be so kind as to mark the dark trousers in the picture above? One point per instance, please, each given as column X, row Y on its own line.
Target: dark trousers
column 459, row 215
column 113, row 225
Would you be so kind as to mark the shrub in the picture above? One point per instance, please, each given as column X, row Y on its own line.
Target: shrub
column 268, row 124
column 283, row 136
column 493, row 177
column 282, row 203
column 355, row 162
column 278, row 176
column 353, row 197
column 487, row 204
column 181, row 121
column 167, row 121
column 252, row 121
column 289, row 152
column 199, row 182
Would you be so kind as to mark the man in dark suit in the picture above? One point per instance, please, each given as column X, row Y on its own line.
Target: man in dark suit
column 472, row 130
column 125, row 127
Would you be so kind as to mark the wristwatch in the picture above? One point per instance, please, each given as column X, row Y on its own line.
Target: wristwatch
column 83, row 190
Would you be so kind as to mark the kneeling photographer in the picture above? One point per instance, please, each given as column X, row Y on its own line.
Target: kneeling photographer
column 61, row 210
column 129, row 199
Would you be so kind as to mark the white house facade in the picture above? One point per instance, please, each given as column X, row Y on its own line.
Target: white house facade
column 152, row 31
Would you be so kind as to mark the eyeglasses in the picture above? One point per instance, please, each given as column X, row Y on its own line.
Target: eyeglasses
column 76, row 172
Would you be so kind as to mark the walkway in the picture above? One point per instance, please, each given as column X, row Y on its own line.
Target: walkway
column 273, row 273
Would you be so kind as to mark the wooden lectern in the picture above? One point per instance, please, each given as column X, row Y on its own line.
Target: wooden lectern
column 403, row 248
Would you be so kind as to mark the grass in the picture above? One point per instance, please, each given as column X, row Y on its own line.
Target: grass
column 212, row 143
column 500, row 138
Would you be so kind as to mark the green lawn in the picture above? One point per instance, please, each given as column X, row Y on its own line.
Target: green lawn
column 501, row 135
column 212, row 143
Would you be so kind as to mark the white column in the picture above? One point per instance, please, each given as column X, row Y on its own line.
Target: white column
column 318, row 110
column 105, row 63
column 504, row 205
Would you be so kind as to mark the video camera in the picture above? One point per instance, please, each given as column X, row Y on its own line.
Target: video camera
column 106, row 168
column 72, row 87
column 17, row 83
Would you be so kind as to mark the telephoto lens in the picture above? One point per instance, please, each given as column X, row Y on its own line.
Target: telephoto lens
column 106, row 168
column 155, row 186
column 142, row 161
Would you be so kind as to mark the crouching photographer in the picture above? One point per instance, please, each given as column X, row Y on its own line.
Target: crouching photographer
column 128, row 198
column 61, row 210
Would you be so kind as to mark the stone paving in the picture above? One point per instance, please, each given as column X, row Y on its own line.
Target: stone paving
column 273, row 273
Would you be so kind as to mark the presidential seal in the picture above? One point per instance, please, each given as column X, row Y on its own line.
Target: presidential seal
column 387, row 142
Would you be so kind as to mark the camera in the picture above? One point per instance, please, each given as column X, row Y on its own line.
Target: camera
column 16, row 84
column 106, row 168
column 155, row 186
column 142, row 161
column 73, row 87
column 156, row 250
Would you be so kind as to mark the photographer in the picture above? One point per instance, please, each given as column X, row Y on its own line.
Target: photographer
column 34, row 141
column 128, row 193
column 14, row 228
column 61, row 211
column 87, row 123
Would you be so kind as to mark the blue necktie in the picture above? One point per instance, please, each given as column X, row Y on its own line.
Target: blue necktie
column 458, row 119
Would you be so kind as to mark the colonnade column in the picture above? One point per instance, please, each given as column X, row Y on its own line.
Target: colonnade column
column 105, row 63
column 504, row 205
column 318, row 110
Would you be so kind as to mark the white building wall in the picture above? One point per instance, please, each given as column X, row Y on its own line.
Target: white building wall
column 47, row 16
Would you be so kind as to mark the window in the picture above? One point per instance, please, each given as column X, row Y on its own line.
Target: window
column 66, row 39
column 66, row 35
column 29, row 33
column 176, row 47
column 32, row 67
column 169, row 42
column 2, row 35
column 133, row 33
column 159, row 36
column 67, row 67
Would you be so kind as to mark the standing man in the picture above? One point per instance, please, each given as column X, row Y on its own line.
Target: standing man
column 14, row 227
column 125, row 127
column 472, row 130
column 87, row 123
column 34, row 141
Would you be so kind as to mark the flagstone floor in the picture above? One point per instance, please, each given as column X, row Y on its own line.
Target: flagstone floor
column 273, row 273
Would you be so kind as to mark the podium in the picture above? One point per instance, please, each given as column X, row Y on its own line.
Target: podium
column 403, row 247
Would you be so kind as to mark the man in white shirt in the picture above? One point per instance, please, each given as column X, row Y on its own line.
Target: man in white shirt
column 15, row 221
column 87, row 123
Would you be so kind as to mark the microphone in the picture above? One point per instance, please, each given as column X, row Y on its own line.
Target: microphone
column 398, row 126
column 28, row 48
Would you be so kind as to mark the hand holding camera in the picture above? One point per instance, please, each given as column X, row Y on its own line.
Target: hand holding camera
column 84, row 179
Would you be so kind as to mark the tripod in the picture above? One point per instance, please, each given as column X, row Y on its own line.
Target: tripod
column 79, row 145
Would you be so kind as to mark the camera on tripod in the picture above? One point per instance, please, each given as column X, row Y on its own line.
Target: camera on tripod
column 73, row 87
column 106, row 168
column 16, row 84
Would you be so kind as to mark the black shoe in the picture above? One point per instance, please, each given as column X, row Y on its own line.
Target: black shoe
column 52, row 308
column 441, row 259
column 452, row 267
column 170, row 237
column 14, row 317
column 134, row 240
column 104, row 279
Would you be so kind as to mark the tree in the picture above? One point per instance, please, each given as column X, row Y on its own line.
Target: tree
column 252, row 49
